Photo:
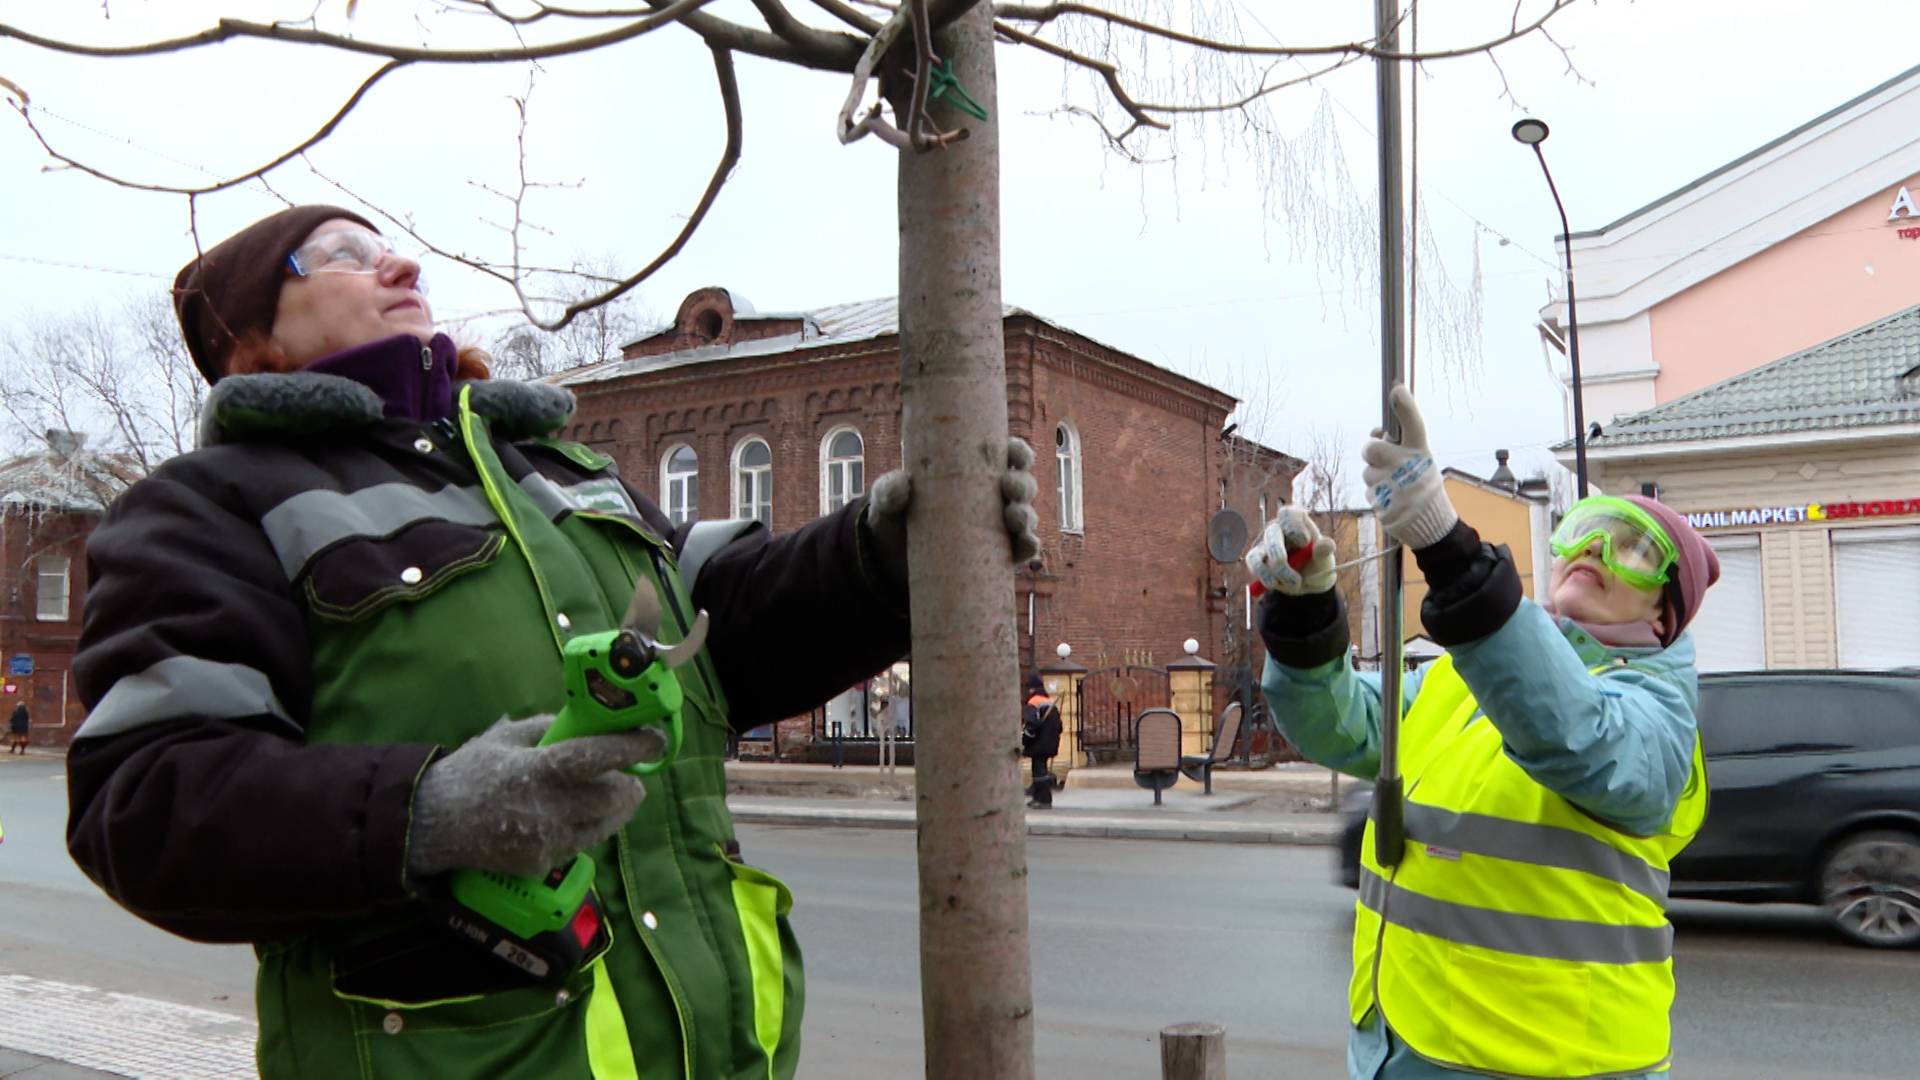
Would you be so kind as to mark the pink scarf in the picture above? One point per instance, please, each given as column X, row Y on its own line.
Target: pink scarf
column 1632, row 635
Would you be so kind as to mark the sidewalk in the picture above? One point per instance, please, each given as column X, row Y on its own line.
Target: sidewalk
column 15, row 1065
column 1285, row 804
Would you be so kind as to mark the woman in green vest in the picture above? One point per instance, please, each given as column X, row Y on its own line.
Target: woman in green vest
column 1551, row 766
column 320, row 651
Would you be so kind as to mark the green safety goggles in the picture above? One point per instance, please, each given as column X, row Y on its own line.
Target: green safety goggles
column 1632, row 543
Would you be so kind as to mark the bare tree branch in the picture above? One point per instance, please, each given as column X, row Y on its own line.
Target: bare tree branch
column 799, row 34
column 730, row 101
column 1107, row 71
column 1042, row 15
column 849, row 15
column 302, row 147
column 942, row 12
column 870, row 58
column 541, row 11
column 232, row 29
column 822, row 49
column 729, row 158
column 920, row 132
column 125, row 374
column 1253, row 96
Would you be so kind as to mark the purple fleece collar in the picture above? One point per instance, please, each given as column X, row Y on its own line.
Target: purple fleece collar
column 410, row 387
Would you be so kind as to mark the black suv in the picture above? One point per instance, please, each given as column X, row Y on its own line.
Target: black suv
column 1815, row 799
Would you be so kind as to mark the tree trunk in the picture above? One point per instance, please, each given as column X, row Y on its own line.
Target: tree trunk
column 976, row 990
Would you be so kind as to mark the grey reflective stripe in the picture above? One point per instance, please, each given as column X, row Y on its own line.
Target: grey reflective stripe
column 598, row 494
column 546, row 495
column 1521, row 935
column 703, row 540
column 311, row 521
column 1539, row 845
column 180, row 688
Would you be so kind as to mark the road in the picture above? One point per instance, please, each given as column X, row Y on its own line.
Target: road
column 1127, row 936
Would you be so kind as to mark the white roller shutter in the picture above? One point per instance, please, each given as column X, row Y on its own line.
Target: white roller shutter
column 1876, row 574
column 1729, row 634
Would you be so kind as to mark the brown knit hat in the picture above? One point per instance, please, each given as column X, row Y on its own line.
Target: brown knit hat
column 235, row 287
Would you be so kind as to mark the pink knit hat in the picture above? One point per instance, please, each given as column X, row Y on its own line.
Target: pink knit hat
column 1697, row 568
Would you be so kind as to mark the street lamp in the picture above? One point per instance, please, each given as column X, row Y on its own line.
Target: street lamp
column 1532, row 132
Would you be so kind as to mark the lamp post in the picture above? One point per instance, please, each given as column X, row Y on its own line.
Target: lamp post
column 1531, row 132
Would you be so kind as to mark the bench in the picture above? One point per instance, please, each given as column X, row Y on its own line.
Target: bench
column 1156, row 750
column 1226, row 731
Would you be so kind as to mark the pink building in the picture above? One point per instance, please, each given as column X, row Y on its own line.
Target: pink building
column 1813, row 235
column 1750, row 351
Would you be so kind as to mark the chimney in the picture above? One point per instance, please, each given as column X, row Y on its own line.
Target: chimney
column 1503, row 476
column 66, row 443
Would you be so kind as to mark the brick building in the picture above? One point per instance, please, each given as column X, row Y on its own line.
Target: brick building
column 730, row 412
column 49, row 503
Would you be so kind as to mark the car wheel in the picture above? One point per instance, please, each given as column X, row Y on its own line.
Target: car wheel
column 1870, row 885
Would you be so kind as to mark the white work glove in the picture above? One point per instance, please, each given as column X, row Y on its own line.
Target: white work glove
column 1403, row 483
column 502, row 802
column 1291, row 530
column 893, row 492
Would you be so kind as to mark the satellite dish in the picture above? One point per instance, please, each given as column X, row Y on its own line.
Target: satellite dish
column 1226, row 536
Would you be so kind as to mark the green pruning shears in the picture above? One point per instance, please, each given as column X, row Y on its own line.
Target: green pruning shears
column 616, row 680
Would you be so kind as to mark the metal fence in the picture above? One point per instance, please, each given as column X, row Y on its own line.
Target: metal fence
column 1110, row 699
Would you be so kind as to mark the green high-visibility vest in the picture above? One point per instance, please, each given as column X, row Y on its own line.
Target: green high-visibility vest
column 1518, row 935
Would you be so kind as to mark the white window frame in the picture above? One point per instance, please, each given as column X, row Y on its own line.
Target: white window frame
column 1068, row 489
column 59, row 570
column 752, row 494
column 680, row 491
column 852, row 470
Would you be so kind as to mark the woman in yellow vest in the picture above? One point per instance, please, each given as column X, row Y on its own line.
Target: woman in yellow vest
column 1552, row 769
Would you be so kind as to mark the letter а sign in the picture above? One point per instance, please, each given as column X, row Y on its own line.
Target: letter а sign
column 1903, row 205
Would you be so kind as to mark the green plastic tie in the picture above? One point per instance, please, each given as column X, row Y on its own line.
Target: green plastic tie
column 943, row 81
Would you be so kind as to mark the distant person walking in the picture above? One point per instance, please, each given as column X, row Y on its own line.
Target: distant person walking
column 17, row 727
column 1039, row 740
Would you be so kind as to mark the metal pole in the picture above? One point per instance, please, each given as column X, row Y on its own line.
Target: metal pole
column 1387, row 842
column 1573, row 336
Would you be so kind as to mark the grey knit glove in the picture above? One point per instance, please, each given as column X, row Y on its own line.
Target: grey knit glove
column 500, row 802
column 887, row 511
column 1403, row 483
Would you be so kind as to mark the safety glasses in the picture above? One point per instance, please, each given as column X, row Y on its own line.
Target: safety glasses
column 345, row 251
column 1632, row 543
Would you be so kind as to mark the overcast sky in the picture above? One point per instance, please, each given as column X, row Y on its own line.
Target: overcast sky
column 1195, row 266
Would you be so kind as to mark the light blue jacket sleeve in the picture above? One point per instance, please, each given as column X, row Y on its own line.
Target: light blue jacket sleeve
column 1619, row 744
column 1331, row 713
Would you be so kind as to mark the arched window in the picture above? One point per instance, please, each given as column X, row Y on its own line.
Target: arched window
column 1066, row 459
column 843, row 469
column 753, row 481
column 680, row 484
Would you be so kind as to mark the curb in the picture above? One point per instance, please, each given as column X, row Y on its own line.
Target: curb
column 1228, row 832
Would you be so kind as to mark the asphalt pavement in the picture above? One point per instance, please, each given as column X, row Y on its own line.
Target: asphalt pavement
column 1129, row 932
column 188, row 1012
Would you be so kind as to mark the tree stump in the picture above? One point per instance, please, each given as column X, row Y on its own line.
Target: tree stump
column 1193, row 1051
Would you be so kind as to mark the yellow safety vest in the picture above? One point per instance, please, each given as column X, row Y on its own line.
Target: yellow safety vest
column 1518, row 935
